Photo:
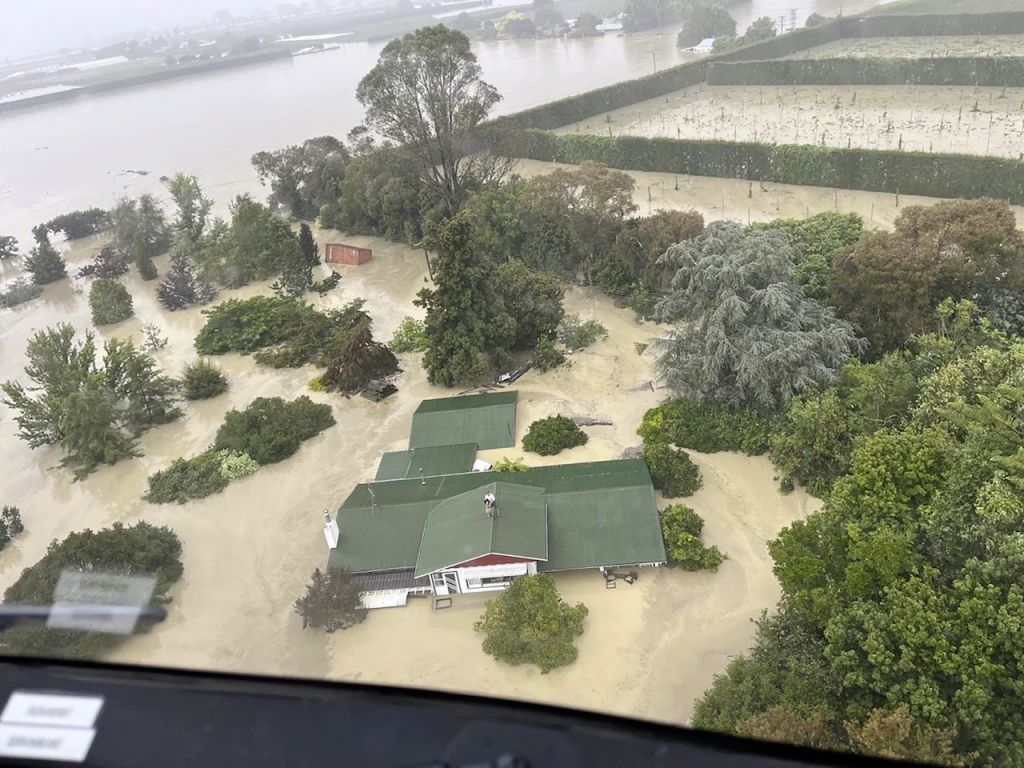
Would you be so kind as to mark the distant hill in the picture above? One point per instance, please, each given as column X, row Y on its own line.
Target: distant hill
column 947, row 6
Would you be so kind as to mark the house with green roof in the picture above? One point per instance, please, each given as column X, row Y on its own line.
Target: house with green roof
column 430, row 525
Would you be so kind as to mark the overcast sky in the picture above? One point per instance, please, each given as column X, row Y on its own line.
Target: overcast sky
column 29, row 27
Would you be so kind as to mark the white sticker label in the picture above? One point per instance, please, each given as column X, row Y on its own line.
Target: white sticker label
column 45, row 743
column 99, row 602
column 52, row 709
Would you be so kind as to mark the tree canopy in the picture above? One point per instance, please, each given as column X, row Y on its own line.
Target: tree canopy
column 530, row 623
column 746, row 334
column 304, row 177
column 331, row 601
column 425, row 94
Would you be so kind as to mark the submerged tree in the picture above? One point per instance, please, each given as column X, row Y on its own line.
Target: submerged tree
column 530, row 623
column 425, row 94
column 180, row 288
column 304, row 177
column 307, row 245
column 8, row 247
column 331, row 601
column 193, row 208
column 45, row 264
column 356, row 359
column 746, row 334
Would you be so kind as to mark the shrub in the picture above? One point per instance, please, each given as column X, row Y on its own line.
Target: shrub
column 672, row 470
column 546, row 356
column 109, row 301
column 681, row 528
column 317, row 384
column 579, row 334
column 141, row 548
column 19, row 292
column 154, row 338
column 553, row 435
column 505, row 464
column 706, row 427
column 354, row 359
column 10, row 525
column 530, row 623
column 107, row 263
column 320, row 287
column 202, row 379
column 271, row 429
column 331, row 601
column 411, row 336
column 186, row 479
column 235, row 465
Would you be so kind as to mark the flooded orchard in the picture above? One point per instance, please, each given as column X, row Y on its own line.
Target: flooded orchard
column 924, row 47
column 961, row 120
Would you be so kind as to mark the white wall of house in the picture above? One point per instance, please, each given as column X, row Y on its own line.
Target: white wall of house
column 480, row 578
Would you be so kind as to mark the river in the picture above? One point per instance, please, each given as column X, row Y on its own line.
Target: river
column 82, row 153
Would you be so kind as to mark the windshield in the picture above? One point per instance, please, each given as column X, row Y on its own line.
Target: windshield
column 655, row 357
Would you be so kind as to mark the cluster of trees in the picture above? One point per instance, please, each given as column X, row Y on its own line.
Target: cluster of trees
column 287, row 333
column 552, row 435
column 133, row 550
column 10, row 524
column 530, row 623
column 95, row 414
column 267, row 431
column 759, row 29
column 915, row 557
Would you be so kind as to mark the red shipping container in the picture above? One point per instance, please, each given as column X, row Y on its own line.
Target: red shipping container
column 338, row 253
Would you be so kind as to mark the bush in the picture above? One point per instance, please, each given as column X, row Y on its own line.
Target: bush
column 530, row 623
column 706, row 427
column 135, row 549
column 553, row 435
column 578, row 334
column 10, row 525
column 411, row 336
column 681, row 528
column 235, row 465
column 321, row 287
column 83, row 223
column 185, row 479
column 109, row 301
column 271, row 429
column 546, row 356
column 354, row 359
column 331, row 601
column 202, row 379
column 18, row 292
column 107, row 263
column 672, row 470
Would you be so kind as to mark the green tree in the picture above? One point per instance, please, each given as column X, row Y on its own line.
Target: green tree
column 271, row 429
column 633, row 257
column 8, row 248
column 18, row 292
column 355, row 359
column 89, row 429
column 82, row 223
column 425, row 94
column 331, row 601
column 646, row 14
column 202, row 380
column 681, row 528
column 45, row 264
column 140, row 232
column 552, row 435
column 533, row 299
column 109, row 301
column 467, row 326
column 760, row 29
column 187, row 479
column 897, row 735
column 305, row 177
column 672, row 470
column 410, row 336
column 10, row 524
column 529, row 623
column 746, row 334
column 140, row 549
column 180, row 288
column 586, row 24
column 779, row 724
column 145, row 395
column 706, row 20
column 193, row 209
column 308, row 246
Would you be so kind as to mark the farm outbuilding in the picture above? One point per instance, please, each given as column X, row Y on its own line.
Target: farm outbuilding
column 489, row 420
column 353, row 255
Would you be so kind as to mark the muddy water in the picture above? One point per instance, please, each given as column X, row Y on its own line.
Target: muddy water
column 648, row 649
column 979, row 121
column 747, row 202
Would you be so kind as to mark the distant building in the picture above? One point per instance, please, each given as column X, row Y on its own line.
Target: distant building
column 612, row 24
column 430, row 525
column 707, row 45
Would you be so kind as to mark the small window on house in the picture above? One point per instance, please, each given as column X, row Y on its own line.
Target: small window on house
column 473, row 583
column 492, row 580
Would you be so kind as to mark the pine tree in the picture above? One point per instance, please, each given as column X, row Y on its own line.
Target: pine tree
column 147, row 269
column 148, row 396
column 296, row 273
column 45, row 263
column 308, row 245
column 331, row 601
column 358, row 360
column 180, row 288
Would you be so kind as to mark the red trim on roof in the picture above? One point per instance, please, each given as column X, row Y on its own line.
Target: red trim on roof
column 492, row 559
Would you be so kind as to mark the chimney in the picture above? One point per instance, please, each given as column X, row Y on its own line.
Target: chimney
column 331, row 532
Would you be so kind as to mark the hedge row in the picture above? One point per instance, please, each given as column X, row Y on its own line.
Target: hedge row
column 934, row 71
column 911, row 25
column 909, row 173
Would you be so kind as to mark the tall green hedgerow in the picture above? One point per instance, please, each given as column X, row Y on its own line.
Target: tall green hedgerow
column 672, row 470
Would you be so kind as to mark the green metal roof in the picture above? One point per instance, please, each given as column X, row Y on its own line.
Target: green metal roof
column 598, row 513
column 489, row 420
column 432, row 460
column 459, row 528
